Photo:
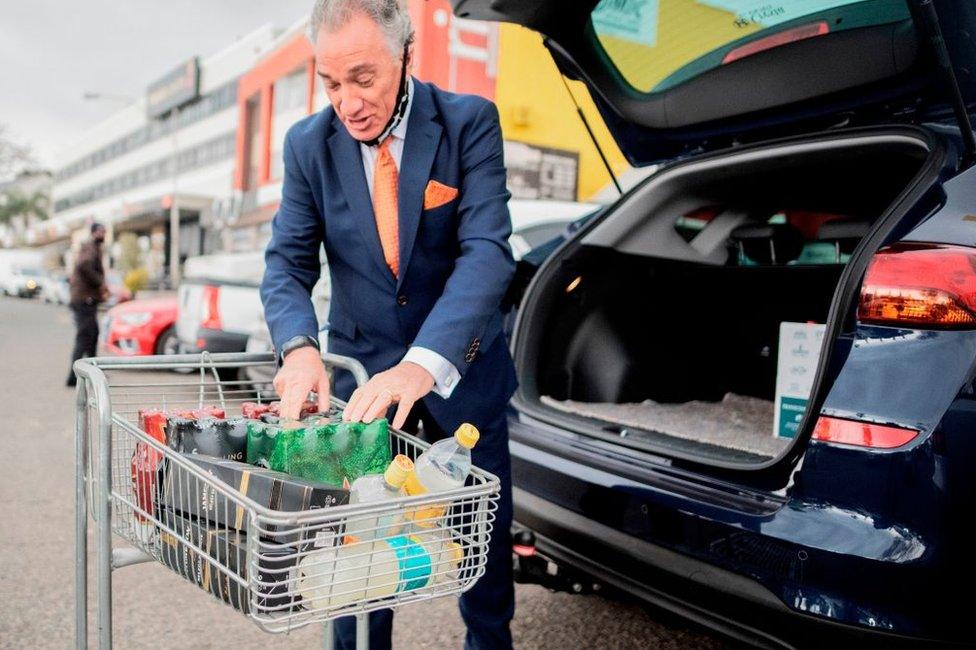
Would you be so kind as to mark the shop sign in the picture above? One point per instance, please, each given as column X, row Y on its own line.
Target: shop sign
column 175, row 89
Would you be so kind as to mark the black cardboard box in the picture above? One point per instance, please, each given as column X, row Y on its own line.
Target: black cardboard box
column 228, row 548
column 184, row 494
column 208, row 436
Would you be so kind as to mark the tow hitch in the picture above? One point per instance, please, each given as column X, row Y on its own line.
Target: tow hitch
column 532, row 567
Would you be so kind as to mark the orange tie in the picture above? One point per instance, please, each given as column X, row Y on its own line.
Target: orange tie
column 385, row 205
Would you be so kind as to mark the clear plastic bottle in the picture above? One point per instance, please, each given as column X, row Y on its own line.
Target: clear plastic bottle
column 375, row 488
column 360, row 570
column 445, row 466
column 446, row 555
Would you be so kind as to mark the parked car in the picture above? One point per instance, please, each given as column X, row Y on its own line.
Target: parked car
column 219, row 303
column 21, row 281
column 55, row 288
column 816, row 167
column 535, row 222
column 142, row 327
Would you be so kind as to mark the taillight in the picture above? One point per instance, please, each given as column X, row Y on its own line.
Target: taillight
column 793, row 35
column 211, row 308
column 920, row 285
column 861, row 434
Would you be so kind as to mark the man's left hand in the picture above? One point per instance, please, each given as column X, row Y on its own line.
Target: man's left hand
column 402, row 384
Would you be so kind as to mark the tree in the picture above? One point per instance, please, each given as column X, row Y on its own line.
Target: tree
column 13, row 156
column 15, row 203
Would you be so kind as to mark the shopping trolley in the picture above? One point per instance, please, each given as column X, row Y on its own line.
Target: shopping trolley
column 281, row 569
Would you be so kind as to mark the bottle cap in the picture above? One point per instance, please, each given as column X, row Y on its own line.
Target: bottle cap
column 467, row 435
column 398, row 471
column 455, row 553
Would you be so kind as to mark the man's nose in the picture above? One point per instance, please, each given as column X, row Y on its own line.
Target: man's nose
column 352, row 103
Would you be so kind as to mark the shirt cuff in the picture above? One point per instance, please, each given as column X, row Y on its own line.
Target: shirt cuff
column 445, row 374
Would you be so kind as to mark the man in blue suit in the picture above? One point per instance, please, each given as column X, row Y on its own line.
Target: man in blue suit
column 404, row 184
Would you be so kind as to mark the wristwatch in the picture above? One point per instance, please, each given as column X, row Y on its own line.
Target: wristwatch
column 295, row 342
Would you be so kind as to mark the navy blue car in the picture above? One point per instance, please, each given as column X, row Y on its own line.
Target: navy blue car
column 747, row 386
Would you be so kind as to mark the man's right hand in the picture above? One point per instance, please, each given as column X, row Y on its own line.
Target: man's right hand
column 301, row 373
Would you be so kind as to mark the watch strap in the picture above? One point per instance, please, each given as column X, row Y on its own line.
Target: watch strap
column 295, row 342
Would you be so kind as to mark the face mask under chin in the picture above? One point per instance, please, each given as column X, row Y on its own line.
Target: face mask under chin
column 399, row 104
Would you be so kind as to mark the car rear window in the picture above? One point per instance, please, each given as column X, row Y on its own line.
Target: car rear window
column 654, row 45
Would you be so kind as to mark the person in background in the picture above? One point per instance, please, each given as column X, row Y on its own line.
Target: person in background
column 404, row 184
column 87, row 290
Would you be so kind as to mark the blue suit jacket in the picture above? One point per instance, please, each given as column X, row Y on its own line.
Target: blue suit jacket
column 455, row 261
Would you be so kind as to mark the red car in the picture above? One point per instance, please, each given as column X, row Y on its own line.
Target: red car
column 142, row 327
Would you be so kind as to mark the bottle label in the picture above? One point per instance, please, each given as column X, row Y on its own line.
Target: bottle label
column 414, row 562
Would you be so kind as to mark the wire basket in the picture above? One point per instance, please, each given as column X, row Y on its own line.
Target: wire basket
column 283, row 569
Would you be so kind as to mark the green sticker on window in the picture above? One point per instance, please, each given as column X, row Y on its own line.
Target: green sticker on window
column 629, row 20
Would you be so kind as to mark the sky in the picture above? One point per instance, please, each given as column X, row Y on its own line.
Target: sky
column 53, row 51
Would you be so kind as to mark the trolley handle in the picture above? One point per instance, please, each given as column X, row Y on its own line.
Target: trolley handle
column 347, row 363
column 207, row 362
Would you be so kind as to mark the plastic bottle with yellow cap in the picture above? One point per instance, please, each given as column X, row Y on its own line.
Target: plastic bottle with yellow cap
column 375, row 488
column 445, row 466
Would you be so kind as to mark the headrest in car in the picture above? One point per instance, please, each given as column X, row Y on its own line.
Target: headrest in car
column 768, row 243
column 847, row 232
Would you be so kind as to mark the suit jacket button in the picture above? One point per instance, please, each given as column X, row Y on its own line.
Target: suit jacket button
column 402, row 301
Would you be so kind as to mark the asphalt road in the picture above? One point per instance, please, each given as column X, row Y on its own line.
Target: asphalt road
column 153, row 607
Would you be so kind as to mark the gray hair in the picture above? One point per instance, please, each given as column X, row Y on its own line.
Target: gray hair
column 391, row 16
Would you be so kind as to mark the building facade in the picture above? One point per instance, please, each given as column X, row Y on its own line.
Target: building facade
column 164, row 158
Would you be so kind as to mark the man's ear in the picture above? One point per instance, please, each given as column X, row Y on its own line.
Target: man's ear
column 409, row 66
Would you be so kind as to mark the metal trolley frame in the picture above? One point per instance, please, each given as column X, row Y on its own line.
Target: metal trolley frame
column 281, row 569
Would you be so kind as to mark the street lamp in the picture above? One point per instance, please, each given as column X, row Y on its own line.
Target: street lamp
column 174, row 208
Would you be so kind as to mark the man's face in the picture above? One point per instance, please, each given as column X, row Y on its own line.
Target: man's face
column 361, row 75
column 98, row 235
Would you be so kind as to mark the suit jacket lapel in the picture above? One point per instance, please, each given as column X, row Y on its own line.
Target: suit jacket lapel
column 419, row 149
column 348, row 160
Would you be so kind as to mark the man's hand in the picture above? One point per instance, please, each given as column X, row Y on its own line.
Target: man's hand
column 403, row 384
column 301, row 373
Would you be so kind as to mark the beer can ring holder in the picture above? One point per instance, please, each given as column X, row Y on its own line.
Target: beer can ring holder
column 282, row 570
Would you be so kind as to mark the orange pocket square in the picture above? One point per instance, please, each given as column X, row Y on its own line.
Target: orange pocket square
column 437, row 194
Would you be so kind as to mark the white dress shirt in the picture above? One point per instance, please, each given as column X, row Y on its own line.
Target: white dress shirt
column 445, row 374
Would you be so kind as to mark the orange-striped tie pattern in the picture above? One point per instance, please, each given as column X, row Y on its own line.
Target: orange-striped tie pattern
column 385, row 205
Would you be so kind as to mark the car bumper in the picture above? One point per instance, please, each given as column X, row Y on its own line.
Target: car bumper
column 210, row 340
column 723, row 601
column 751, row 575
column 127, row 341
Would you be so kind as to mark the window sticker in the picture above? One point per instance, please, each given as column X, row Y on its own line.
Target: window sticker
column 629, row 20
column 763, row 13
